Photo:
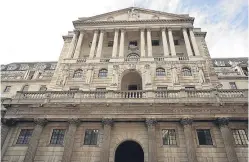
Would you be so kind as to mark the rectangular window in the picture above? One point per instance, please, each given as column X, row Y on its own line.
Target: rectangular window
column 233, row 85
column 204, row 137
column 24, row 136
column 240, row 136
column 133, row 43
column 91, row 137
column 190, row 88
column 155, row 42
column 176, row 42
column 7, row 89
column 58, row 136
column 110, row 43
column 169, row 136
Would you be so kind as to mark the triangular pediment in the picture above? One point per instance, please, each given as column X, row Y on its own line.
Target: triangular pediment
column 134, row 14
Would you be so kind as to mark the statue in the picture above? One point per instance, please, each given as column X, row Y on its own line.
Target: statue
column 201, row 76
column 147, row 75
column 89, row 75
column 133, row 14
column 175, row 79
column 114, row 75
column 65, row 77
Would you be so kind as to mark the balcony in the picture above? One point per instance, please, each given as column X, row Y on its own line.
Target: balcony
column 139, row 96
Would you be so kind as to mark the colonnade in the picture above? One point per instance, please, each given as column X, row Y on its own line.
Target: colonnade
column 119, row 43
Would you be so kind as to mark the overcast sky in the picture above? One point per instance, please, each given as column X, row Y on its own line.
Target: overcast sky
column 31, row 30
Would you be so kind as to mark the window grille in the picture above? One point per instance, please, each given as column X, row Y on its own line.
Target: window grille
column 240, row 136
column 233, row 85
column 186, row 72
column 204, row 137
column 78, row 73
column 160, row 72
column 169, row 136
column 91, row 137
column 103, row 73
column 24, row 136
column 57, row 136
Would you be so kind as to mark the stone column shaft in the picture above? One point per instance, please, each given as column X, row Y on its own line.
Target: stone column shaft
column 100, row 44
column 171, row 43
column 142, row 43
column 165, row 44
column 152, row 150
column 78, row 47
column 34, row 140
column 190, row 144
column 228, row 139
column 115, row 44
column 93, row 46
column 72, row 45
column 149, row 44
column 105, row 152
column 187, row 43
column 194, row 43
column 69, row 140
column 121, row 47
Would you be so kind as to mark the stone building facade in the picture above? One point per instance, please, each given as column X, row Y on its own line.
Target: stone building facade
column 130, row 85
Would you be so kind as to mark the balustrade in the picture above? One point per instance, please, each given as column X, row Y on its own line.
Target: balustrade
column 139, row 94
column 159, row 59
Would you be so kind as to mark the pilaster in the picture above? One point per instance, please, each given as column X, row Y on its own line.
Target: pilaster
column 190, row 145
column 121, row 47
column 79, row 45
column 73, row 44
column 115, row 43
column 100, row 44
column 152, row 150
column 171, row 42
column 227, row 138
column 194, row 43
column 93, row 46
column 142, row 42
column 34, row 140
column 69, row 140
column 149, row 44
column 187, row 43
column 165, row 43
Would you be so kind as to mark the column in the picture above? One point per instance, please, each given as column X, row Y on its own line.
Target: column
column 187, row 43
column 100, row 44
column 190, row 144
column 69, row 140
column 142, row 41
column 152, row 151
column 121, row 46
column 228, row 139
column 78, row 47
column 149, row 45
column 6, row 132
column 93, row 46
column 34, row 140
column 73, row 44
column 115, row 43
column 171, row 42
column 194, row 43
column 105, row 151
column 165, row 43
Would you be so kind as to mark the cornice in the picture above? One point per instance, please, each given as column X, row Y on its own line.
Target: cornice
column 79, row 22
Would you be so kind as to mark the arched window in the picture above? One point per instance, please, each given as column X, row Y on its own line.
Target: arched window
column 78, row 73
column 25, row 88
column 186, row 71
column 102, row 73
column 160, row 72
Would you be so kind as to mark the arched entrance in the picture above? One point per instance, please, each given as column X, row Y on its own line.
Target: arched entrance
column 129, row 151
column 131, row 81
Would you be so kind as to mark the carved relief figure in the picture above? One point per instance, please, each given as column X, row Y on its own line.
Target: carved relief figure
column 175, row 78
column 201, row 76
column 147, row 75
column 114, row 75
column 89, row 75
column 133, row 14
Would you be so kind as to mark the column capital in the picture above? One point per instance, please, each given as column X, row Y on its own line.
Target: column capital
column 163, row 28
column 123, row 30
column 8, row 122
column 83, row 31
column 95, row 31
column 186, row 121
column 221, row 122
column 169, row 28
column 150, row 122
column 142, row 29
column 73, row 121
column 40, row 121
column 76, row 32
column 148, row 29
column 107, row 121
column 116, row 29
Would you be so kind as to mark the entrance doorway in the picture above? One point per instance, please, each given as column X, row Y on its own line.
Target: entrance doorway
column 131, row 81
column 129, row 151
